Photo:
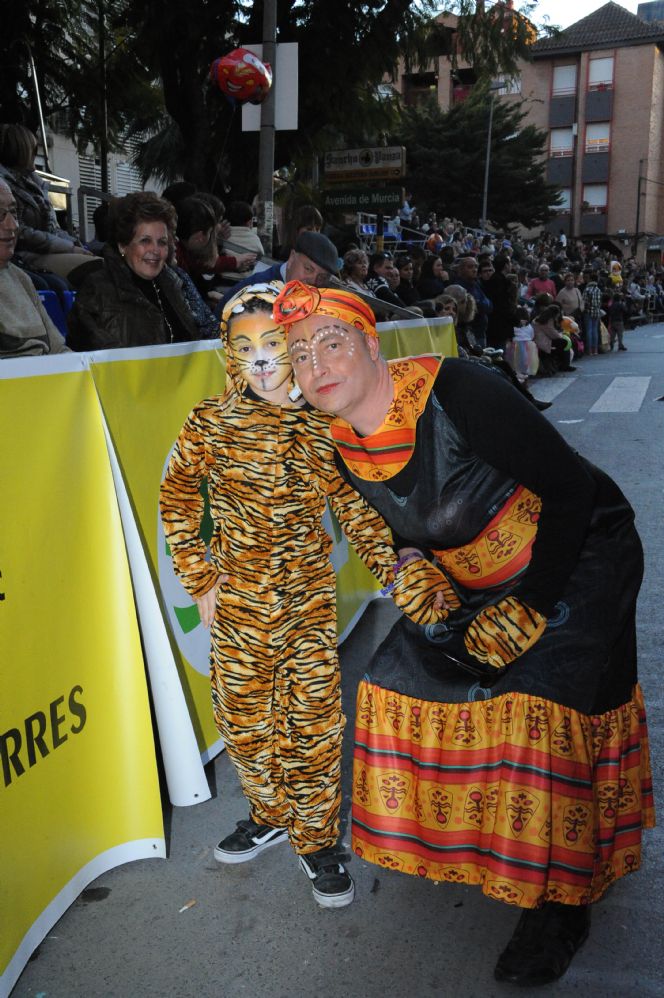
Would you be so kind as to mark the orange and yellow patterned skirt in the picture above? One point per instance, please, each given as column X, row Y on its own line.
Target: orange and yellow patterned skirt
column 533, row 801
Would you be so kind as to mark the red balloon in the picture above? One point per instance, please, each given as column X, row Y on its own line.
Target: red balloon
column 242, row 76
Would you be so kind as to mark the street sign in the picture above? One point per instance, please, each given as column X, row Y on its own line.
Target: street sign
column 379, row 163
column 364, row 200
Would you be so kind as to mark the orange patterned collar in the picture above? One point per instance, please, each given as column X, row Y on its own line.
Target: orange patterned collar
column 384, row 453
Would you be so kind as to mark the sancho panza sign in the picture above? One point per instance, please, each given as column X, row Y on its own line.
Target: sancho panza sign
column 380, row 163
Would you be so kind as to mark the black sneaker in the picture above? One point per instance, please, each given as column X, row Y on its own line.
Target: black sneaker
column 247, row 841
column 331, row 884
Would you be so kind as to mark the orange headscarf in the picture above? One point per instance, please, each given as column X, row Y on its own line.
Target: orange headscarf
column 297, row 301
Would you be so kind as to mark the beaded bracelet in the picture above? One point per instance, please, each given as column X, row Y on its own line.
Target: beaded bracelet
column 413, row 556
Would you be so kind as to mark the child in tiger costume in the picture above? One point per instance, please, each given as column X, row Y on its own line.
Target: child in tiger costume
column 269, row 589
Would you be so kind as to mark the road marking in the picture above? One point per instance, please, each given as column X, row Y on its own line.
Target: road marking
column 547, row 391
column 622, row 395
column 569, row 420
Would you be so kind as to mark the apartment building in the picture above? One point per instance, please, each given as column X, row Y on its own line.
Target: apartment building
column 597, row 89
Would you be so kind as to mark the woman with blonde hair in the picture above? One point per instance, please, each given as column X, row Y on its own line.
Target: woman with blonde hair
column 355, row 269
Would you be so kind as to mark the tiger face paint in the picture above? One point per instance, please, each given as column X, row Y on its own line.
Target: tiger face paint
column 258, row 347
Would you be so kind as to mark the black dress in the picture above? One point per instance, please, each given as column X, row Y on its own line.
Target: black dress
column 534, row 784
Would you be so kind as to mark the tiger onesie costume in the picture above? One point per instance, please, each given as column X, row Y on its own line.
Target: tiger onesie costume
column 273, row 662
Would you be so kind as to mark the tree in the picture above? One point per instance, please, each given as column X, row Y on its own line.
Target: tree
column 153, row 82
column 446, row 158
column 88, row 70
column 342, row 69
column 493, row 41
column 345, row 50
column 179, row 42
column 40, row 33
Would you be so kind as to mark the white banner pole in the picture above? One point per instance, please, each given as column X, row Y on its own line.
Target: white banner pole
column 185, row 776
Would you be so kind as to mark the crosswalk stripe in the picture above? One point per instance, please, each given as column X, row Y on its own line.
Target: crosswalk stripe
column 549, row 389
column 622, row 395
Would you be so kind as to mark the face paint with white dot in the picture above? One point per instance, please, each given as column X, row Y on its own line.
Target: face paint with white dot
column 327, row 342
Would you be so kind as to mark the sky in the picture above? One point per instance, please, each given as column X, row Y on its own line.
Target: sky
column 565, row 12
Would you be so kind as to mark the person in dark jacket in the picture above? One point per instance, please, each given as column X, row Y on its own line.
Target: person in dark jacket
column 133, row 299
column 406, row 289
column 433, row 278
column 617, row 312
column 501, row 289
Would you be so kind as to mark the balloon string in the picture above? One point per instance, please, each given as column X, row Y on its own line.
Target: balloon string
column 223, row 145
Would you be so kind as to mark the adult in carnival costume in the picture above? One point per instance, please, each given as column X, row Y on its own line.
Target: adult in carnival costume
column 506, row 747
column 269, row 589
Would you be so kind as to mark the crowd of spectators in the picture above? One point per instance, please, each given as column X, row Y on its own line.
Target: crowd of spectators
column 160, row 267
column 541, row 304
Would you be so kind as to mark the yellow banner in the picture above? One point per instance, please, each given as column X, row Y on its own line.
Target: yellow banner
column 146, row 396
column 79, row 785
column 79, row 791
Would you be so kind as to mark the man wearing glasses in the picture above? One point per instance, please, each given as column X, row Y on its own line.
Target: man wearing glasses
column 25, row 327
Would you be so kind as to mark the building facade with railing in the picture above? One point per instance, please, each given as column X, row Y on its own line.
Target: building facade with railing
column 597, row 90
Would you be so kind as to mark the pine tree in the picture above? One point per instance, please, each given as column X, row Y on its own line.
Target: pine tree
column 446, row 156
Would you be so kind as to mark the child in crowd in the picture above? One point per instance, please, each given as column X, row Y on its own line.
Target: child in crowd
column 269, row 589
column 555, row 349
column 521, row 352
column 572, row 331
column 617, row 312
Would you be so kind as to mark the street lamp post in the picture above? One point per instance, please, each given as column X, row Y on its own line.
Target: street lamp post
column 497, row 85
column 487, row 164
column 638, row 208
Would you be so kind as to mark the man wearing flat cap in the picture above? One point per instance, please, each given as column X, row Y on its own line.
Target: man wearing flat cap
column 313, row 260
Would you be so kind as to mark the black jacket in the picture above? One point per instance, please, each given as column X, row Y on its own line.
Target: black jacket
column 111, row 311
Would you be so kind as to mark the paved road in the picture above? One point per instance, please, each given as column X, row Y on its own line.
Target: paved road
column 255, row 930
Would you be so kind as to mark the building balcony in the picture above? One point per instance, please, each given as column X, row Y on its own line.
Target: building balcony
column 593, row 222
column 595, row 168
column 559, row 170
column 561, row 220
column 562, row 111
column 599, row 105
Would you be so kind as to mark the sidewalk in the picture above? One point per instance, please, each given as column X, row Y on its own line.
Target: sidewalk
column 255, row 930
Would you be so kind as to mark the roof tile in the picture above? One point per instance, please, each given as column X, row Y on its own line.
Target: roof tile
column 611, row 25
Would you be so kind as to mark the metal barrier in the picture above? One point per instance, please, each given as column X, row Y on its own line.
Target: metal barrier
column 394, row 232
column 366, row 229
